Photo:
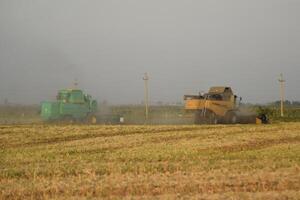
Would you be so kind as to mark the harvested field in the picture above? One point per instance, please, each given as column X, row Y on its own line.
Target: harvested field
column 165, row 162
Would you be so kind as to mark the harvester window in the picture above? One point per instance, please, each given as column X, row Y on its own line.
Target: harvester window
column 77, row 97
column 216, row 97
column 66, row 98
column 63, row 97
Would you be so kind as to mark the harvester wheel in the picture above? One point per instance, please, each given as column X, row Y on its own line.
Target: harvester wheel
column 91, row 119
column 231, row 118
column 68, row 120
column 198, row 117
column 215, row 120
column 208, row 118
column 263, row 118
column 212, row 118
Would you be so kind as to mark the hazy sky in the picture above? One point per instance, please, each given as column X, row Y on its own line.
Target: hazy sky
column 186, row 46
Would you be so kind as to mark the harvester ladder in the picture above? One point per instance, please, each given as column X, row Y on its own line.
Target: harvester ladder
column 204, row 109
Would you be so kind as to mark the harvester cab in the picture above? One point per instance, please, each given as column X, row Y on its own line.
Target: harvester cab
column 70, row 105
column 219, row 105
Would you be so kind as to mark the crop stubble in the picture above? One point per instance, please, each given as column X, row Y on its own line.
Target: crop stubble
column 209, row 162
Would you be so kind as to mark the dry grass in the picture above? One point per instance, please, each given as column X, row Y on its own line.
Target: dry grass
column 142, row 162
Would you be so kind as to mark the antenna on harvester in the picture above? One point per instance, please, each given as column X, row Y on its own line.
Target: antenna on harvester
column 281, row 82
column 146, row 78
column 75, row 84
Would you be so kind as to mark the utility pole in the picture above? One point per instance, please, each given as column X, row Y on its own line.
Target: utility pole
column 146, row 78
column 281, row 82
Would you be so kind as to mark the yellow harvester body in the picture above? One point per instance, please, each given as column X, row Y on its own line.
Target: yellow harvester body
column 219, row 105
column 219, row 100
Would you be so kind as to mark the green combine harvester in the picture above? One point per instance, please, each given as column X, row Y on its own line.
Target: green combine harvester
column 72, row 105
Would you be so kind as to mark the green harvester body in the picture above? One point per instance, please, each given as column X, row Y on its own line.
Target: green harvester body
column 71, row 104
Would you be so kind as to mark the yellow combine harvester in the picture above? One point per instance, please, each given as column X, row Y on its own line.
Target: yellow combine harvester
column 220, row 105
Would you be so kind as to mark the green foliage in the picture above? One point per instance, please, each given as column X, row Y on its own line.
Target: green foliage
column 291, row 113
